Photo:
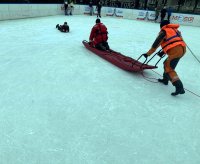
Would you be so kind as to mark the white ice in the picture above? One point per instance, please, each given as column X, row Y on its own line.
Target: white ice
column 62, row 104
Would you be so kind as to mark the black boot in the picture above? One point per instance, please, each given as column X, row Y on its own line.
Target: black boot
column 101, row 47
column 179, row 88
column 57, row 25
column 165, row 79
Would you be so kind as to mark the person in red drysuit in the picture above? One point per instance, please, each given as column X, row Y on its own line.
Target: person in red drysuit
column 99, row 36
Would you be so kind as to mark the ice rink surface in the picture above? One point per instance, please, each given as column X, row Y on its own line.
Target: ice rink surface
column 62, row 104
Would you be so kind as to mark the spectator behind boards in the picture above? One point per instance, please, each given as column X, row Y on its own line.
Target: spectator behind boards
column 98, row 8
column 163, row 13
column 156, row 14
column 71, row 7
column 66, row 6
column 91, row 7
column 169, row 13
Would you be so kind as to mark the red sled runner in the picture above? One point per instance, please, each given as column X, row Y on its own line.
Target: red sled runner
column 120, row 60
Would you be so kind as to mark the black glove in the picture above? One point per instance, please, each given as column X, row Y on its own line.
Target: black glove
column 145, row 55
column 161, row 54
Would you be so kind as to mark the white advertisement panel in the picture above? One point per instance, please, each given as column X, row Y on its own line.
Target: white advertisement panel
column 146, row 15
column 185, row 19
column 128, row 14
column 86, row 10
column 114, row 12
column 178, row 18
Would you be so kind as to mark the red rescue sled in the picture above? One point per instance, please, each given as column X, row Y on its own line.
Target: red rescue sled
column 120, row 60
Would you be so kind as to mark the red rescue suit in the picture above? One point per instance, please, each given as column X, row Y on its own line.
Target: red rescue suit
column 98, row 34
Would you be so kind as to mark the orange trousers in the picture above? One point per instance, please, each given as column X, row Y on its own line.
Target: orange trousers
column 174, row 55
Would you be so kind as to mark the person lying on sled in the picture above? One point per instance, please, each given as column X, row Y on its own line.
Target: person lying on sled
column 173, row 45
column 99, row 36
column 63, row 28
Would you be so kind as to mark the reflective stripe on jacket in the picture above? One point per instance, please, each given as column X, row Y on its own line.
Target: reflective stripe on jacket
column 172, row 38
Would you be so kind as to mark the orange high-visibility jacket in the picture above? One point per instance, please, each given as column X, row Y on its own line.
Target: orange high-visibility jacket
column 173, row 37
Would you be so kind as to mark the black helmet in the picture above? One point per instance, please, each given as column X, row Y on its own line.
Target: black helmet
column 163, row 23
column 65, row 22
column 98, row 20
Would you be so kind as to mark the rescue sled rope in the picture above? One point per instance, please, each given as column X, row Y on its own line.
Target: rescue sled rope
column 193, row 54
column 150, row 79
column 184, row 88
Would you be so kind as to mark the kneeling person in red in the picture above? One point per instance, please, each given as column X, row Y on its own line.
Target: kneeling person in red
column 99, row 36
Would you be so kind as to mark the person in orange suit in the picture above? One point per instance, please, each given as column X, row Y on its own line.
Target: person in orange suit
column 173, row 45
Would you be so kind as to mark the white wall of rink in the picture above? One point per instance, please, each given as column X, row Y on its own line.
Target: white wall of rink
column 17, row 11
